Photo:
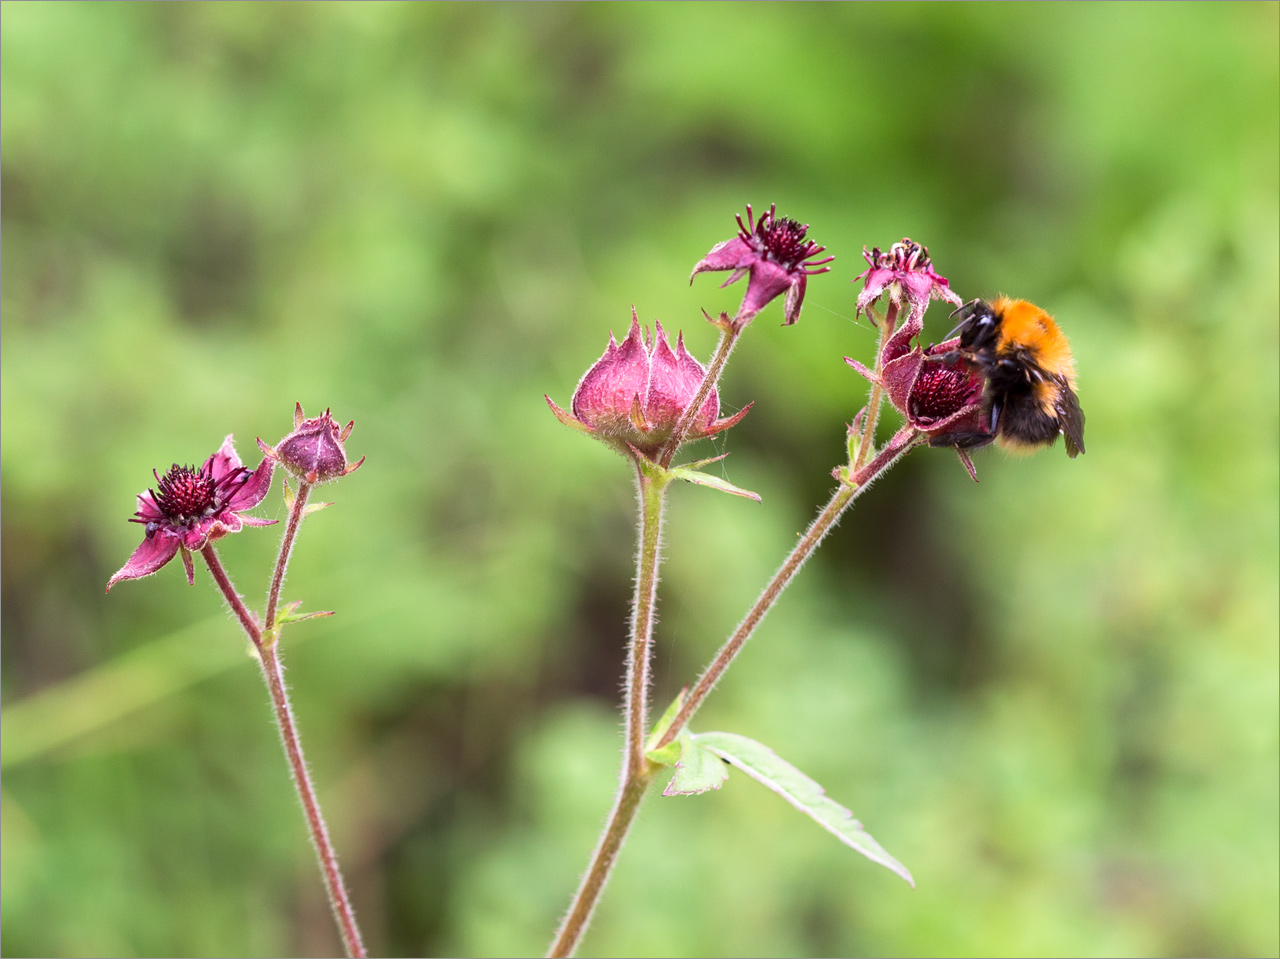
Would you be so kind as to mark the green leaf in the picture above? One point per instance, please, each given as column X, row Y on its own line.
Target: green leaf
column 669, row 753
column 288, row 496
column 698, row 770
column 715, row 482
column 315, row 508
column 765, row 766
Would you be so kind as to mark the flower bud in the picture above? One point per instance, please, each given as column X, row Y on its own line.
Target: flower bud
column 633, row 396
column 314, row 451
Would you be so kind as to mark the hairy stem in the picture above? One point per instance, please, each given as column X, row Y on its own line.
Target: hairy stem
column 296, row 513
column 624, row 812
column 818, row 529
column 868, row 441
column 273, row 673
column 636, row 770
column 652, row 493
column 728, row 339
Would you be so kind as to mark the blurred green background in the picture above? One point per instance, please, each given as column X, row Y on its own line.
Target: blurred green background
column 1052, row 695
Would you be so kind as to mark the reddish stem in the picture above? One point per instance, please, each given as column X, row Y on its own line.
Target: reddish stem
column 273, row 673
column 840, row 501
column 728, row 339
column 637, row 771
column 296, row 513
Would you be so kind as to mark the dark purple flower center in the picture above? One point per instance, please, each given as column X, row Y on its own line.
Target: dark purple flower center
column 780, row 240
column 186, row 493
column 940, row 390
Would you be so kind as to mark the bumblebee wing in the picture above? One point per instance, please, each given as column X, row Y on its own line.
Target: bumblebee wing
column 1070, row 419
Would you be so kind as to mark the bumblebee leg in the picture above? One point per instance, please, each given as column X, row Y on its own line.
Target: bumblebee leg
column 995, row 415
column 963, row 441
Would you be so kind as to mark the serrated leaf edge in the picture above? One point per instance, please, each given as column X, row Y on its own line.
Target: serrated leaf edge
column 872, row 850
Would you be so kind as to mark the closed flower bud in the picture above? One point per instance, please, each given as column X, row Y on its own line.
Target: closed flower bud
column 314, row 451
column 633, row 396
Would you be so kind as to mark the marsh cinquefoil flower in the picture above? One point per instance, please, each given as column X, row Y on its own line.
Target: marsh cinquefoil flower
column 632, row 397
column 774, row 251
column 937, row 389
column 190, row 508
column 907, row 274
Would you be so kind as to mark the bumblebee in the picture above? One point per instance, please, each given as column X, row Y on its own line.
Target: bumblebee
column 1030, row 394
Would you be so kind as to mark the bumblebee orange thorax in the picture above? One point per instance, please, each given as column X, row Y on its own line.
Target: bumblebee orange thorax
column 1030, row 331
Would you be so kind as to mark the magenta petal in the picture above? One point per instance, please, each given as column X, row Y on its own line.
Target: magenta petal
column 147, row 508
column 768, row 280
column 877, row 280
column 967, row 419
column 259, row 521
column 942, row 291
column 606, row 391
column 153, row 553
column 228, row 522
column 255, row 488
column 225, row 460
column 899, row 376
column 728, row 255
column 198, row 535
column 900, row 343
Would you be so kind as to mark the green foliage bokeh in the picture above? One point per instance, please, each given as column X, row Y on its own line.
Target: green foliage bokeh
column 1052, row 695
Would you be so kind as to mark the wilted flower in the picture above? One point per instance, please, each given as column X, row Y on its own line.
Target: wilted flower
column 632, row 397
column 190, row 508
column 774, row 252
column 313, row 452
column 907, row 273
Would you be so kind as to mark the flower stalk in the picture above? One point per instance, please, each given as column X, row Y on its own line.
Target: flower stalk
column 296, row 511
column 876, row 397
column 266, row 645
column 728, row 340
column 902, row 443
column 637, row 771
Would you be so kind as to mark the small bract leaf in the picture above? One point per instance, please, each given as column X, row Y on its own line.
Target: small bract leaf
column 765, row 766
column 288, row 496
column 698, row 464
column 669, row 753
column 289, row 614
column 315, row 508
column 715, row 482
column 698, row 770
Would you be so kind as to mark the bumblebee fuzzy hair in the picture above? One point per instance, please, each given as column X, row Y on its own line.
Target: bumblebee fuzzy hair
column 1030, row 394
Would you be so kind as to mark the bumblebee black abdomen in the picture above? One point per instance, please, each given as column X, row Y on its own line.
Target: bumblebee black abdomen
column 1024, row 423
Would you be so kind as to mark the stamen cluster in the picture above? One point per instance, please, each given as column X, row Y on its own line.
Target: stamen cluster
column 781, row 240
column 775, row 253
column 187, row 493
